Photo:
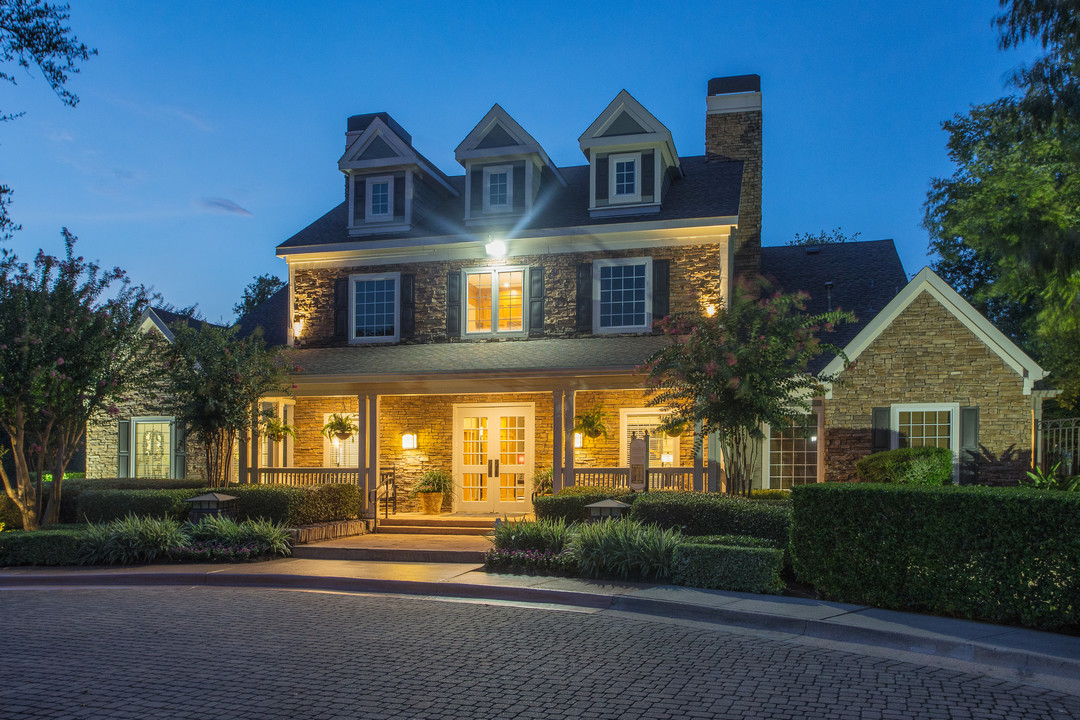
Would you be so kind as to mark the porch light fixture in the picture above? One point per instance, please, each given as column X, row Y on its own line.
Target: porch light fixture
column 408, row 440
column 296, row 328
column 710, row 309
column 496, row 248
column 579, row 440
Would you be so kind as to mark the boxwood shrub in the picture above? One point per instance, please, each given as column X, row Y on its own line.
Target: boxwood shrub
column 569, row 504
column 698, row 513
column 1009, row 555
column 915, row 466
column 98, row 506
column 55, row 546
column 723, row 567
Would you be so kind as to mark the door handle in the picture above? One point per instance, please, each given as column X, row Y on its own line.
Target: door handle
column 489, row 468
column 496, row 468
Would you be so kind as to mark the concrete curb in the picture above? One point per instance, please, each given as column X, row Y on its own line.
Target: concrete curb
column 1024, row 663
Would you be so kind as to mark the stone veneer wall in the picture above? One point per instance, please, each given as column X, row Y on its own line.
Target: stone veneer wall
column 927, row 356
column 737, row 136
column 694, row 282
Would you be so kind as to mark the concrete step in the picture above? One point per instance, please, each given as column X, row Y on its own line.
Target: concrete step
column 436, row 521
column 316, row 552
column 431, row 530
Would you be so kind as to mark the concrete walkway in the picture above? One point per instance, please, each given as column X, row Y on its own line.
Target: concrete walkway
column 1025, row 652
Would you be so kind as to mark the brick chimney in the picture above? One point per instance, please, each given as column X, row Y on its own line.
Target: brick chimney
column 733, row 132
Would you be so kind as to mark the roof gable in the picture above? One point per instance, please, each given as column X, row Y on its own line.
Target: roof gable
column 625, row 121
column 386, row 148
column 497, row 137
column 929, row 282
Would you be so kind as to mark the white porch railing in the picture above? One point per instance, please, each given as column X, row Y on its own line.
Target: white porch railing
column 664, row 478
column 305, row 476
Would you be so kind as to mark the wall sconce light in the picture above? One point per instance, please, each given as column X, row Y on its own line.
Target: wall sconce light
column 297, row 326
column 496, row 248
column 579, row 439
column 710, row 309
column 408, row 440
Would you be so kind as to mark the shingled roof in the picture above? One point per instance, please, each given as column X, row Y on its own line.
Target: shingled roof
column 272, row 315
column 710, row 188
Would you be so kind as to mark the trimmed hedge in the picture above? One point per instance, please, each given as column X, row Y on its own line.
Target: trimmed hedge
column 698, row 513
column 98, row 506
column 735, row 541
column 1008, row 555
column 569, row 504
column 914, row 466
column 55, row 546
column 720, row 567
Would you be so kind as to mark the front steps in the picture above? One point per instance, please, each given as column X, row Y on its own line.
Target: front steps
column 436, row 525
column 411, row 537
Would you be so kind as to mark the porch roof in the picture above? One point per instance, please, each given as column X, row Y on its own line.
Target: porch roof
column 544, row 358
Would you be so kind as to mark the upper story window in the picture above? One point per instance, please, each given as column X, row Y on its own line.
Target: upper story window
column 498, row 188
column 624, row 177
column 495, row 301
column 622, row 295
column 379, row 205
column 373, row 308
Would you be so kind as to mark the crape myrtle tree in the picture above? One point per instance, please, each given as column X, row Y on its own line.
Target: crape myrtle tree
column 70, row 347
column 216, row 379
column 741, row 369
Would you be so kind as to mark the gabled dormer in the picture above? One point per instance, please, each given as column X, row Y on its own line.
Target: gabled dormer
column 387, row 177
column 504, row 169
column 632, row 159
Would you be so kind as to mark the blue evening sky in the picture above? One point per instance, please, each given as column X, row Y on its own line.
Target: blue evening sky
column 209, row 132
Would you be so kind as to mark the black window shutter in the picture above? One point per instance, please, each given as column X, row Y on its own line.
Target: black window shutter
column 601, row 178
column 661, row 294
column 519, row 184
column 453, row 304
column 584, row 297
column 359, row 201
column 407, row 307
column 648, row 173
column 880, row 423
column 179, row 451
column 536, row 300
column 477, row 191
column 123, row 449
column 399, row 197
column 969, row 445
column 341, row 307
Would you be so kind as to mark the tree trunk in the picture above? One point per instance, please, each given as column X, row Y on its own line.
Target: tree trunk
column 51, row 516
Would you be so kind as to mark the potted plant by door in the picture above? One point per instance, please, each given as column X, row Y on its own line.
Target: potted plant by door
column 339, row 426
column 591, row 423
column 431, row 488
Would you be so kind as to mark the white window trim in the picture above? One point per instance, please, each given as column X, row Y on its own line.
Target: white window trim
column 954, row 427
column 133, row 445
column 353, row 279
column 613, row 197
column 624, row 416
column 369, row 216
column 328, row 444
column 597, row 264
column 766, row 464
column 486, row 195
column 493, row 271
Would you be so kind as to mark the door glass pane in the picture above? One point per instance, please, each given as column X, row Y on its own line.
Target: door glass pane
column 474, row 487
column 512, row 440
column 152, row 450
column 475, row 439
column 510, row 300
column 793, row 453
column 512, row 487
column 479, row 303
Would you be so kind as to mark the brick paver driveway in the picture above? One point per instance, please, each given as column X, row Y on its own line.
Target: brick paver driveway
column 250, row 653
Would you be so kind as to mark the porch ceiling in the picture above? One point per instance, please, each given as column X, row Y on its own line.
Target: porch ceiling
column 583, row 363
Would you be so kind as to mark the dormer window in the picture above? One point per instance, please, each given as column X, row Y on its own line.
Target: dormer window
column 623, row 174
column 379, row 206
column 498, row 188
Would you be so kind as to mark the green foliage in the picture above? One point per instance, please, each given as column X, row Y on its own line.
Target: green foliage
column 1005, row 555
column 591, row 423
column 272, row 538
column 276, row 429
column 569, row 504
column 131, row 539
column 434, row 481
column 75, row 488
column 531, row 562
column 698, row 514
column 770, row 495
column 259, row 290
column 296, row 506
column 823, row 238
column 58, row 545
column 540, row 535
column 735, row 541
column 338, row 425
column 1051, row 479
column 725, row 567
column 98, row 506
column 625, row 549
column 542, row 480
column 741, row 369
column 913, row 466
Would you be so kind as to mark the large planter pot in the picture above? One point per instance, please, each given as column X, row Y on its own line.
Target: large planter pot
column 431, row 502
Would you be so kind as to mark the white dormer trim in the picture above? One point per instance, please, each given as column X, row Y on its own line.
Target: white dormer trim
column 356, row 142
column 656, row 133
column 929, row 282
column 525, row 145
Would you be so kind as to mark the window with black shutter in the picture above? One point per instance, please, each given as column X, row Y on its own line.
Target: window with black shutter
column 341, row 307
column 584, row 298
column 453, row 304
column 536, row 301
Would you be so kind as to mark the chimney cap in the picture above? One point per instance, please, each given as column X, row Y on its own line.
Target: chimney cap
column 735, row 84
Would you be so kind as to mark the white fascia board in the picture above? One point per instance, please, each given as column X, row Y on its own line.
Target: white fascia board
column 734, row 102
column 152, row 321
column 377, row 128
column 623, row 102
column 927, row 280
column 527, row 144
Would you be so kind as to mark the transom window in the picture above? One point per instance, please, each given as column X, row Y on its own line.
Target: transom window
column 498, row 188
column 373, row 308
column 495, row 300
column 622, row 295
column 380, row 199
column 624, row 173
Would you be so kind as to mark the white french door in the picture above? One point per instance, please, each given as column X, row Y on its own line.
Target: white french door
column 493, row 457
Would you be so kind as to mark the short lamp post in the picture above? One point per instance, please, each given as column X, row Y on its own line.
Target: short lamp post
column 606, row 510
column 214, row 504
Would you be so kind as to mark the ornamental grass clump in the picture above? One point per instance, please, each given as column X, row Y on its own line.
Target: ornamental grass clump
column 539, row 535
column 268, row 537
column 625, row 550
column 132, row 539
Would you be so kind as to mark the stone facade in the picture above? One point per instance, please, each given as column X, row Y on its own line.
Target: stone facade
column 737, row 136
column 926, row 355
column 695, row 273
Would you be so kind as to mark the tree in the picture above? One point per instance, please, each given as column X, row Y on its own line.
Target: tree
column 67, row 353
column 824, row 238
column 33, row 32
column 741, row 369
column 217, row 379
column 260, row 289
